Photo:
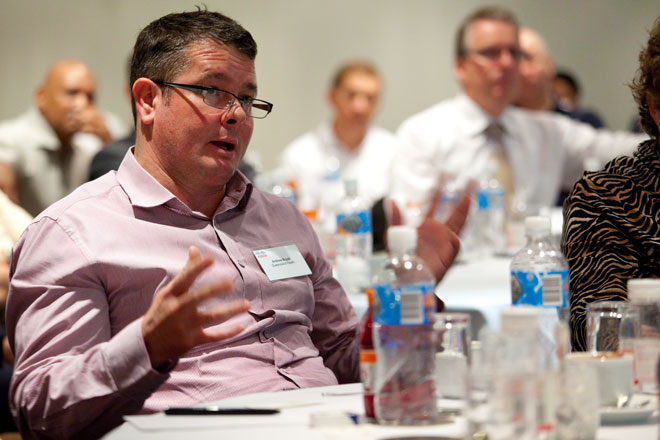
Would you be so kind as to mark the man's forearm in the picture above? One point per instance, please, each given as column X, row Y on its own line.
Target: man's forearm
column 76, row 396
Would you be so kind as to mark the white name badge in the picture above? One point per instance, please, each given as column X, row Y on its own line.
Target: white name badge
column 282, row 262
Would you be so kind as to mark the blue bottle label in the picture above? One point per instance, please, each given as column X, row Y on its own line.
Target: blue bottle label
column 492, row 198
column 411, row 304
column 354, row 223
column 540, row 288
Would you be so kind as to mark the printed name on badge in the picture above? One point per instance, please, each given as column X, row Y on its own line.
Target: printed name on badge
column 282, row 262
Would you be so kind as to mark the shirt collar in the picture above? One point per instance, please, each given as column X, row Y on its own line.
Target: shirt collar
column 145, row 191
column 476, row 120
column 46, row 136
column 330, row 141
column 47, row 139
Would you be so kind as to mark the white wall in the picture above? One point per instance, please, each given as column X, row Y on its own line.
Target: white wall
column 302, row 41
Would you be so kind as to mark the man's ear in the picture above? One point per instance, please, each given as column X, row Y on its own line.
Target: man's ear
column 147, row 95
column 459, row 69
column 40, row 99
column 331, row 97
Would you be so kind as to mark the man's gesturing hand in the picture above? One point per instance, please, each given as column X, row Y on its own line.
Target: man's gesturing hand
column 174, row 324
column 437, row 242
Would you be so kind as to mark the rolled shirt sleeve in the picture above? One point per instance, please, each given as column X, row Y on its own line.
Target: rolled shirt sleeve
column 71, row 372
column 334, row 322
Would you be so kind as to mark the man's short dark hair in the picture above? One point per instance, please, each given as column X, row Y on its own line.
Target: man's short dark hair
column 160, row 49
column 361, row 66
column 485, row 13
column 646, row 84
column 569, row 79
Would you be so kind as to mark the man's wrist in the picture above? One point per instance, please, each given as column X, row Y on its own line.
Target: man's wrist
column 166, row 366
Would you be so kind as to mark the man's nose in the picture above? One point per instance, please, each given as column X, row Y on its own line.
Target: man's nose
column 235, row 113
column 81, row 101
column 361, row 104
column 507, row 59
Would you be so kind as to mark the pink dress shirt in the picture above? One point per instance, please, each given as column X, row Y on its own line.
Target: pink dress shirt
column 85, row 271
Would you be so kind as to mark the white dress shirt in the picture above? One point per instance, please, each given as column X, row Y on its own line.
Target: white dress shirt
column 13, row 220
column 315, row 156
column 446, row 145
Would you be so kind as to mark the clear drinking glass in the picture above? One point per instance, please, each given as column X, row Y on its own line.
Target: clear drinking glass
column 452, row 355
column 610, row 325
column 578, row 403
column 501, row 396
column 501, row 405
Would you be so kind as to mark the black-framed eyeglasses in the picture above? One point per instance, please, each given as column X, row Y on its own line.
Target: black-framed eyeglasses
column 493, row 53
column 222, row 99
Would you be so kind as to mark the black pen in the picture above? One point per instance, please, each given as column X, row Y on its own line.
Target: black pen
column 214, row 410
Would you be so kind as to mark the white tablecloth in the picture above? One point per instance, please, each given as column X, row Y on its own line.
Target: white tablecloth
column 481, row 288
column 293, row 423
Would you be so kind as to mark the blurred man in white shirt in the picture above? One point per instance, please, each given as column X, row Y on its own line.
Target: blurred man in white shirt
column 346, row 147
column 450, row 143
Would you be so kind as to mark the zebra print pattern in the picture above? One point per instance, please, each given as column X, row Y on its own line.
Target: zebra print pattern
column 611, row 232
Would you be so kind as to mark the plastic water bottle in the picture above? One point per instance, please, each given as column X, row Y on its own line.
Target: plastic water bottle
column 539, row 277
column 368, row 358
column 404, row 303
column 353, row 241
column 539, row 272
column 491, row 203
column 644, row 296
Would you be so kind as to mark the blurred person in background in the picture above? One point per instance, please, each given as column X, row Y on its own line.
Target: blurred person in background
column 49, row 147
column 348, row 145
column 537, row 70
column 538, row 88
column 13, row 220
column 566, row 90
column 533, row 154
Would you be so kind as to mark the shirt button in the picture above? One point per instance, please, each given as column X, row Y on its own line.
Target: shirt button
column 241, row 263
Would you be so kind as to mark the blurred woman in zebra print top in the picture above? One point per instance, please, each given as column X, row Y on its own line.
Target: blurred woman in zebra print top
column 612, row 217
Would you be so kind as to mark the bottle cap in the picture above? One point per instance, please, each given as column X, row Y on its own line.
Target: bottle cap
column 520, row 318
column 350, row 185
column 644, row 290
column 311, row 215
column 401, row 239
column 370, row 296
column 537, row 225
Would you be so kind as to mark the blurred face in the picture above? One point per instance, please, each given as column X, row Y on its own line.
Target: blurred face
column 356, row 99
column 66, row 94
column 536, row 70
column 564, row 93
column 488, row 72
column 197, row 146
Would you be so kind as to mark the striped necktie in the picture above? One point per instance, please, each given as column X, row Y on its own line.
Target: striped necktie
column 498, row 156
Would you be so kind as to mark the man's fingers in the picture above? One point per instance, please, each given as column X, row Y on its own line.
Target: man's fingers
column 194, row 266
column 219, row 288
column 223, row 312
column 394, row 213
column 459, row 214
column 222, row 333
column 433, row 206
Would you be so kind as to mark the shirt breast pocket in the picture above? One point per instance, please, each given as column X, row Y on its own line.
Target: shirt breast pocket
column 294, row 294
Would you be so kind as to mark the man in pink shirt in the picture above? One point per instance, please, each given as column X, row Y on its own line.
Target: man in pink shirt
column 103, row 319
